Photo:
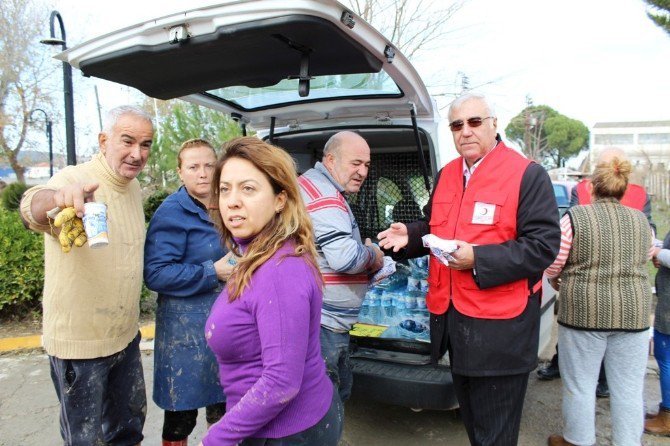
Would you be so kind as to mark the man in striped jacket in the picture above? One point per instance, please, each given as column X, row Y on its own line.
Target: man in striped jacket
column 344, row 260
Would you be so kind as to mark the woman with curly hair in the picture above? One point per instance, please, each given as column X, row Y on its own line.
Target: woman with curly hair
column 264, row 327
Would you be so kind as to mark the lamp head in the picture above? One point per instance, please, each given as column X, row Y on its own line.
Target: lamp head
column 52, row 41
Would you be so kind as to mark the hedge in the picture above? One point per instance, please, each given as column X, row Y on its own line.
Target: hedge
column 152, row 202
column 22, row 260
column 11, row 195
column 21, row 267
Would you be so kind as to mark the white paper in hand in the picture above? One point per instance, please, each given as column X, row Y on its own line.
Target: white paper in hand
column 440, row 248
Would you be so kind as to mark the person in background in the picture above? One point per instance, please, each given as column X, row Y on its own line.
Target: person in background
column 186, row 264
column 604, row 311
column 499, row 208
column 91, row 296
column 264, row 327
column 635, row 197
column 344, row 260
column 659, row 424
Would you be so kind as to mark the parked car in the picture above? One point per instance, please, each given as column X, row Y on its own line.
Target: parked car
column 298, row 72
column 563, row 191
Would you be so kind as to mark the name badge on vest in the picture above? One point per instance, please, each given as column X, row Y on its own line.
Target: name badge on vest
column 483, row 214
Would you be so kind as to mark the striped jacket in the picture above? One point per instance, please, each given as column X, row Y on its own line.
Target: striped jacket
column 343, row 258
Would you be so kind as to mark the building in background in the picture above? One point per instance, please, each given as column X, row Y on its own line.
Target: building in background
column 40, row 170
column 646, row 143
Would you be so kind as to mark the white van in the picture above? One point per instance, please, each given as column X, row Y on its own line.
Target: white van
column 299, row 71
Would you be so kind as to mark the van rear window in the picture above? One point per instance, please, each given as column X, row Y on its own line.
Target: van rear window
column 321, row 88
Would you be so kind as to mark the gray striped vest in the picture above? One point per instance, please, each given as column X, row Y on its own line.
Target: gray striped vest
column 605, row 285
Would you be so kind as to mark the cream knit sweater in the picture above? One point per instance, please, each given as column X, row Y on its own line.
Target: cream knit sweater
column 91, row 296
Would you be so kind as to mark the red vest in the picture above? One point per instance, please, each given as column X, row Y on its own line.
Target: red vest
column 496, row 181
column 635, row 196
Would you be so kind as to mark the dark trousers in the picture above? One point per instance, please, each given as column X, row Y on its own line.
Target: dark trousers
column 102, row 400
column 179, row 424
column 491, row 407
column 335, row 352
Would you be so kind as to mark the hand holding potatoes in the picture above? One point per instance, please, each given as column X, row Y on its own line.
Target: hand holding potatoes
column 71, row 229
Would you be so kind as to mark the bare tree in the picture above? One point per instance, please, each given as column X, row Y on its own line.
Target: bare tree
column 409, row 24
column 22, row 71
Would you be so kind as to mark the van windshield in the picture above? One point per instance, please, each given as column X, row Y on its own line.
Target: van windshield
column 322, row 88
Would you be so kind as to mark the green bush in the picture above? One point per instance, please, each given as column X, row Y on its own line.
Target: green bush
column 152, row 202
column 21, row 267
column 11, row 195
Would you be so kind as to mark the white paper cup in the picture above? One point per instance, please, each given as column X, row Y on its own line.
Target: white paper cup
column 95, row 224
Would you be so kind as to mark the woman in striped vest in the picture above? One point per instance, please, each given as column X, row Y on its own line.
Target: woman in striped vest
column 604, row 311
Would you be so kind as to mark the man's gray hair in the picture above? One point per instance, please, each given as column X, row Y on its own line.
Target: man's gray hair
column 469, row 96
column 113, row 115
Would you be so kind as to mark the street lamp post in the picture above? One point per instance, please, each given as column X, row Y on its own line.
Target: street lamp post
column 67, row 87
column 49, row 138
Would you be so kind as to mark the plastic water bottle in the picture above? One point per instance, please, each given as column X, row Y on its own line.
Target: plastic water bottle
column 421, row 302
column 363, row 315
column 374, row 307
column 400, row 306
column 387, row 309
column 413, row 283
column 411, row 299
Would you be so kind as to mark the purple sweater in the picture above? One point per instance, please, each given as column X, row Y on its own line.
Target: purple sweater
column 267, row 346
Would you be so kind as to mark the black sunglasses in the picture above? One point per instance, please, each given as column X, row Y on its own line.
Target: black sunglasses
column 472, row 122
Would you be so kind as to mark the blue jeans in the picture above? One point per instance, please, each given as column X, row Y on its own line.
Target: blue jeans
column 662, row 354
column 335, row 352
column 102, row 400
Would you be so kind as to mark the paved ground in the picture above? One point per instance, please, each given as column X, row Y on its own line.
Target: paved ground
column 29, row 412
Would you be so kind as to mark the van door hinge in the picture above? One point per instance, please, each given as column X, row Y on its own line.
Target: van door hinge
column 178, row 34
column 389, row 53
column 383, row 118
column 303, row 77
column 242, row 121
column 348, row 19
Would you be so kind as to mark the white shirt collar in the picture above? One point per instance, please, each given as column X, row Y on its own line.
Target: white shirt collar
column 469, row 171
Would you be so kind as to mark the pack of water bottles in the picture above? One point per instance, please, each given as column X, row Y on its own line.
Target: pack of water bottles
column 399, row 302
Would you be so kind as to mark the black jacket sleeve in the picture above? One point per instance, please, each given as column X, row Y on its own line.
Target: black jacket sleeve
column 538, row 236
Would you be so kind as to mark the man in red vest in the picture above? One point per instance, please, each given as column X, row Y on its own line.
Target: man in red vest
column 500, row 210
column 635, row 197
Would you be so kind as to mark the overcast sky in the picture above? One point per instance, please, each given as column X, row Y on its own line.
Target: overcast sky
column 592, row 60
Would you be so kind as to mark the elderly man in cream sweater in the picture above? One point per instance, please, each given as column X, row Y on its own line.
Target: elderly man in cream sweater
column 91, row 296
